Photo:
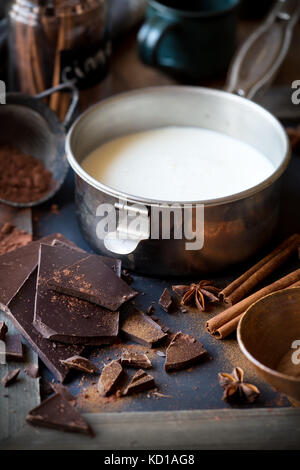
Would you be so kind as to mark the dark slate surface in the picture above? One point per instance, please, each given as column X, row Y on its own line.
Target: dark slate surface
column 196, row 388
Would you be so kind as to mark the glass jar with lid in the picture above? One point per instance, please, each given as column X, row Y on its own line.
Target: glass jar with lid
column 55, row 41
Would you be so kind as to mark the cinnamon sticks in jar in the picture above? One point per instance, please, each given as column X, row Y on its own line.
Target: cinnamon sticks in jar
column 235, row 293
column 54, row 41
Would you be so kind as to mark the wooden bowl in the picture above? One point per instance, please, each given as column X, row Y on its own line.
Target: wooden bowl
column 267, row 334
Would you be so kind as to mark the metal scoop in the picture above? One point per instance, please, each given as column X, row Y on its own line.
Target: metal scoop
column 29, row 124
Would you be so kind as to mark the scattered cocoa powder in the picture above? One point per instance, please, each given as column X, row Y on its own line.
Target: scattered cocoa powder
column 23, row 178
column 12, row 238
column 54, row 209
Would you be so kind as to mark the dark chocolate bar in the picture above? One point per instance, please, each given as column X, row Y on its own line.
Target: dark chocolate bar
column 67, row 319
column 20, row 312
column 16, row 267
column 92, row 280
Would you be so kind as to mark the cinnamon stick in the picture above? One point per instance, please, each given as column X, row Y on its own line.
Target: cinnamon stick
column 226, row 322
column 239, row 288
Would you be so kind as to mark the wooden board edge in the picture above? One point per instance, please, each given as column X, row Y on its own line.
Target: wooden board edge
column 276, row 428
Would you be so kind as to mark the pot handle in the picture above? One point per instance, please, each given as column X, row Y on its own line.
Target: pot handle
column 125, row 239
column 257, row 62
column 68, row 86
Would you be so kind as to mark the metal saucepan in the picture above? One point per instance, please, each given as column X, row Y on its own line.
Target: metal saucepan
column 235, row 227
column 35, row 129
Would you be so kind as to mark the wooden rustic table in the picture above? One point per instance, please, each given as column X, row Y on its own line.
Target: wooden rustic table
column 161, row 427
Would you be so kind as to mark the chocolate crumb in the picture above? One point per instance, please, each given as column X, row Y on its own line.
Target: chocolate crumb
column 10, row 377
column 3, row 330
column 32, row 370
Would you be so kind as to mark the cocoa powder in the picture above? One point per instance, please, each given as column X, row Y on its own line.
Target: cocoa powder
column 12, row 238
column 23, row 178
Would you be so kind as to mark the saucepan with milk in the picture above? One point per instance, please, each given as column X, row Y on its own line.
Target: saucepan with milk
column 179, row 180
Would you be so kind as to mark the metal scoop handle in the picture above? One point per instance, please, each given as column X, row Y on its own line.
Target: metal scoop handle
column 74, row 101
column 257, row 62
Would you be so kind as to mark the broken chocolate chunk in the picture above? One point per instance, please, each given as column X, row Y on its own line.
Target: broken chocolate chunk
column 92, row 280
column 80, row 363
column 32, row 370
column 126, row 277
column 20, row 312
column 67, row 319
column 136, row 360
column 165, row 300
column 10, row 377
column 183, row 351
column 140, row 382
column 139, row 327
column 3, row 330
column 109, row 379
column 57, row 413
column 14, row 348
column 64, row 391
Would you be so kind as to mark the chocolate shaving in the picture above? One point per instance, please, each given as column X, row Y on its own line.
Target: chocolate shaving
column 10, row 377
column 136, row 360
column 140, row 382
column 165, row 300
column 110, row 378
column 3, row 330
column 235, row 389
column 80, row 363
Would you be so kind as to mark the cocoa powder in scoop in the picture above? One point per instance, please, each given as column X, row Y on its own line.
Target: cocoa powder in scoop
column 23, row 178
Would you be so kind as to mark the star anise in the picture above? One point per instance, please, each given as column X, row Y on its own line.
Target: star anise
column 196, row 295
column 235, row 389
column 294, row 136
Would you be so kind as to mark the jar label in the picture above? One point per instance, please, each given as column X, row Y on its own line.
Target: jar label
column 85, row 67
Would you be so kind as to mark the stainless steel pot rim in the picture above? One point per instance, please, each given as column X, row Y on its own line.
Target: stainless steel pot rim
column 249, row 356
column 156, row 202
